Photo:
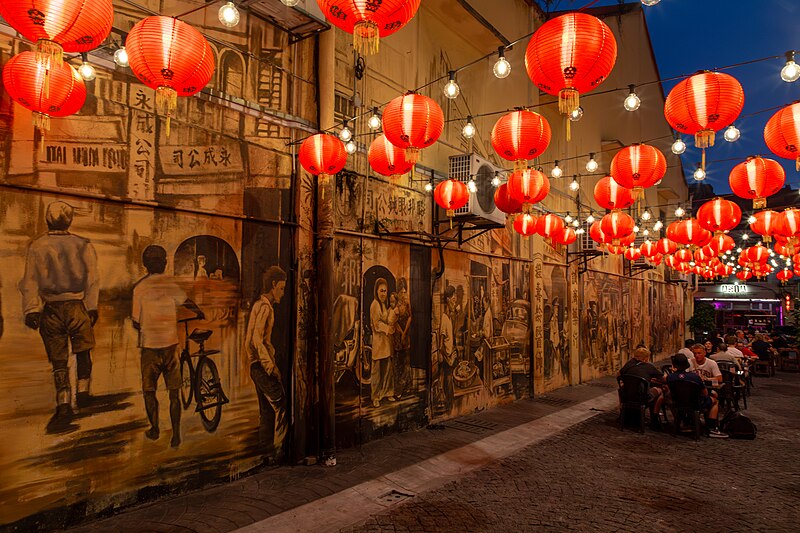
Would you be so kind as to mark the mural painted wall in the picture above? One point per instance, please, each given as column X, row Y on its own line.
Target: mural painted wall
column 145, row 281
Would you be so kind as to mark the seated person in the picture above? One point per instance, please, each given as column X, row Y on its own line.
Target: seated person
column 761, row 348
column 687, row 348
column 730, row 341
column 722, row 354
column 708, row 403
column 744, row 341
column 746, row 351
column 640, row 366
column 706, row 368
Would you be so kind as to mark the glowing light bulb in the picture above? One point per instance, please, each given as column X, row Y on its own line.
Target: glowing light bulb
column 580, row 231
column 374, row 121
column 646, row 215
column 228, row 15
column 451, row 88
column 658, row 225
column 678, row 147
column 121, row 57
column 590, row 219
column 576, row 223
column 646, row 232
column 576, row 114
column 469, row 128
column 592, row 165
column 636, row 229
column 86, row 70
column 632, row 101
column 790, row 71
column 496, row 180
column 745, row 236
column 574, row 186
column 350, row 147
column 429, row 187
column 290, row 3
column 732, row 134
column 556, row 172
column 679, row 212
column 752, row 219
column 502, row 68
column 345, row 134
column 650, row 3
column 568, row 219
column 699, row 174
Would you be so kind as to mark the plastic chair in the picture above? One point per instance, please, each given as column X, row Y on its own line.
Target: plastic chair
column 725, row 365
column 632, row 395
column 686, row 404
column 727, row 394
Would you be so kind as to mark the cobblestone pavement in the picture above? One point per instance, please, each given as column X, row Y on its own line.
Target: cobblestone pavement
column 593, row 477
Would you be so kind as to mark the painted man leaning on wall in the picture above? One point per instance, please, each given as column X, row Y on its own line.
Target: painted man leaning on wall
column 60, row 289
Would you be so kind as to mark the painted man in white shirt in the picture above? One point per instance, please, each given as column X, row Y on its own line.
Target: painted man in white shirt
column 156, row 298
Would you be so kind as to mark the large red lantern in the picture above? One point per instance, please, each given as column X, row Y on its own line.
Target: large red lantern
column 665, row 246
column 648, row 248
column 528, row 186
column 519, row 136
column 525, row 224
column 690, row 233
column 171, row 57
column 549, row 225
column 570, row 55
column 784, row 275
column 387, row 159
column 632, row 254
column 323, row 154
column 744, row 275
column 756, row 179
column 782, row 133
column 451, row 195
column 58, row 26
column 719, row 215
column 756, row 254
column 765, row 224
column 656, row 259
column 617, row 225
column 504, row 202
column 783, row 249
column 597, row 235
column 638, row 166
column 609, row 194
column 788, row 225
column 413, row 122
column 684, row 255
column 704, row 104
column 565, row 237
column 721, row 243
column 24, row 80
column 369, row 20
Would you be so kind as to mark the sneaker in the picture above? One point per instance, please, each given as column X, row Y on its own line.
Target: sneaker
column 717, row 434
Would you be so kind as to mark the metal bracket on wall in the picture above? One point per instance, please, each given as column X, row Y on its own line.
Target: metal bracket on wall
column 584, row 257
column 475, row 225
column 635, row 269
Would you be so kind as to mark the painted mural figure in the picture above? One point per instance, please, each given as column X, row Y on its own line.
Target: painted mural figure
column 487, row 334
column 156, row 298
column 59, row 290
column 401, row 340
column 383, row 320
column 201, row 268
column 448, row 353
column 264, row 369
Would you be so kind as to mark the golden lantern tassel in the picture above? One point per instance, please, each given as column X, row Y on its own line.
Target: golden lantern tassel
column 704, row 138
column 166, row 103
column 797, row 164
column 568, row 101
column 412, row 155
column 366, row 37
column 759, row 203
column 569, row 129
column 520, row 164
column 41, row 121
column 49, row 55
column 703, row 160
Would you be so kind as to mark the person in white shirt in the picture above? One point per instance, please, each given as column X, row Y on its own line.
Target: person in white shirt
column 687, row 349
column 702, row 365
column 156, row 298
column 730, row 340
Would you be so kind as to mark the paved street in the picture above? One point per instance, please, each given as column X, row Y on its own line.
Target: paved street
column 589, row 476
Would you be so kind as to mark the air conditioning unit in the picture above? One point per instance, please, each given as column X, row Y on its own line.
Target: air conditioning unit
column 481, row 203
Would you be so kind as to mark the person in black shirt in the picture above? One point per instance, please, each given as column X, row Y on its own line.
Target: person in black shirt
column 761, row 348
column 640, row 366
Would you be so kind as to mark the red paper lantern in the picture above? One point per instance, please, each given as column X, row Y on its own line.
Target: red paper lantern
column 565, row 237
column 782, row 133
column 322, row 154
column 721, row 243
column 756, row 179
column 689, row 233
column 528, row 187
column 744, row 275
column 413, row 122
column 638, row 166
column 684, row 255
column 504, row 202
column 24, row 80
column 58, row 26
column 616, row 249
column 519, row 136
column 171, row 57
column 617, row 225
column 451, row 195
column 766, row 223
column 525, row 224
column 756, row 254
column 704, row 104
column 784, row 275
column 788, row 224
column 609, row 194
column 655, row 260
column 597, row 235
column 648, row 249
column 549, row 225
column 672, row 229
column 369, row 20
column 719, row 215
column 632, row 254
column 723, row 270
column 789, row 243
column 666, row 246
column 783, row 249
column 387, row 159
column 570, row 55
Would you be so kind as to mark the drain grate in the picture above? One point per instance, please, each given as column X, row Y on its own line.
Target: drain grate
column 394, row 497
column 462, row 425
column 550, row 400
column 478, row 422
column 603, row 385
